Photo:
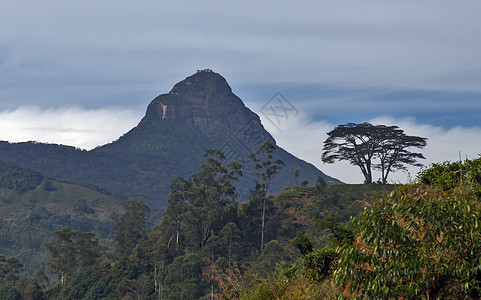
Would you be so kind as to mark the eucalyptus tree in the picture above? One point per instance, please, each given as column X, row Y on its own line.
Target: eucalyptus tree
column 266, row 167
column 214, row 196
column 130, row 227
column 200, row 206
column 72, row 251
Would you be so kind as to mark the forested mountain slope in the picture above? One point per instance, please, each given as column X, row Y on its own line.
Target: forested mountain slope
column 32, row 206
column 199, row 113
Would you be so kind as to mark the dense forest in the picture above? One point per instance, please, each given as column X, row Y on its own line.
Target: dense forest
column 420, row 240
column 32, row 206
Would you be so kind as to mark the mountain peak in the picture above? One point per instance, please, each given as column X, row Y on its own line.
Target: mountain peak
column 203, row 82
column 201, row 112
column 203, row 100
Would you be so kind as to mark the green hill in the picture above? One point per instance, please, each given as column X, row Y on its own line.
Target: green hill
column 32, row 206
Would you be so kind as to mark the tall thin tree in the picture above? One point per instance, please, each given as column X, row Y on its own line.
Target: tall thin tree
column 266, row 168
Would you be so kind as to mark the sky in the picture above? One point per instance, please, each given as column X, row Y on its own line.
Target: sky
column 82, row 73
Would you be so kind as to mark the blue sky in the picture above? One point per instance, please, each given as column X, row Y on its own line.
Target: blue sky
column 83, row 72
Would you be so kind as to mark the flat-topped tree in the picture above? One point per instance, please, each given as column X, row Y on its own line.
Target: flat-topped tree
column 362, row 144
column 393, row 154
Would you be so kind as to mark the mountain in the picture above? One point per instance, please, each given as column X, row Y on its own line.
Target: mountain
column 199, row 113
column 32, row 206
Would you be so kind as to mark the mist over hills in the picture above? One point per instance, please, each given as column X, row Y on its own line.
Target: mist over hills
column 199, row 113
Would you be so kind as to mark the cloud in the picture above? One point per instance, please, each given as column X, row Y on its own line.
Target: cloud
column 73, row 126
column 443, row 144
column 304, row 138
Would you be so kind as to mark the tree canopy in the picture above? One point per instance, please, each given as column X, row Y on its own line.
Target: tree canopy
column 130, row 227
column 369, row 147
column 72, row 251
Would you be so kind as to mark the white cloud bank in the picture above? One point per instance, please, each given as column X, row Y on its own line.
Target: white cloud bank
column 305, row 138
column 75, row 126
column 88, row 129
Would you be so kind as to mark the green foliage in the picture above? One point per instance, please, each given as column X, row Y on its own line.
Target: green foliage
column 13, row 286
column 421, row 241
column 338, row 232
column 184, row 277
column 130, row 227
column 28, row 218
column 202, row 206
column 8, row 292
column 448, row 175
column 208, row 242
column 286, row 285
column 18, row 179
column 303, row 243
column 72, row 251
column 105, row 280
column 10, row 269
column 319, row 264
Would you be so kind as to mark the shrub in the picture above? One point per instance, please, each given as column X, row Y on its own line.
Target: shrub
column 319, row 263
column 423, row 240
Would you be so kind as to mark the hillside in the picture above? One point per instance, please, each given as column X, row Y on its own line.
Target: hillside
column 32, row 206
column 199, row 113
column 166, row 267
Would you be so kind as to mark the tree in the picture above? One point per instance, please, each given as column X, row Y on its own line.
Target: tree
column 303, row 243
column 212, row 196
column 420, row 242
column 173, row 222
column 393, row 154
column 266, row 168
column 337, row 231
column 361, row 144
column 10, row 269
column 130, row 227
column 200, row 207
column 72, row 251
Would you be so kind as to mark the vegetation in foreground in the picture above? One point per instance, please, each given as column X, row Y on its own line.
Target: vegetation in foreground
column 419, row 241
column 422, row 241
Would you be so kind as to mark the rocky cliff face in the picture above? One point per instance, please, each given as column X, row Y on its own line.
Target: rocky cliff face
column 205, row 101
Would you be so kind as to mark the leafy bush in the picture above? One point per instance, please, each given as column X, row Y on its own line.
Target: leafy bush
column 421, row 241
column 286, row 285
column 303, row 243
column 448, row 175
column 319, row 263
